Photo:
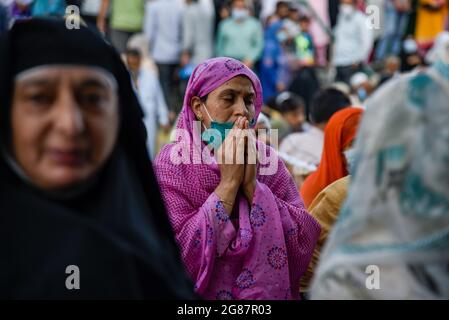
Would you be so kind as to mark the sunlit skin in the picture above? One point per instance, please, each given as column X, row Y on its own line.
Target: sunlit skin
column 64, row 124
column 231, row 102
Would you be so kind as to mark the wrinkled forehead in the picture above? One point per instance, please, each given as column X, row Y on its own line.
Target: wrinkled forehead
column 75, row 73
column 240, row 84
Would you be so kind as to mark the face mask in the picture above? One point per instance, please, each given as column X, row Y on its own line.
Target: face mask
column 218, row 131
column 282, row 36
column 239, row 14
column 362, row 94
column 187, row 71
column 350, row 157
column 410, row 46
column 346, row 9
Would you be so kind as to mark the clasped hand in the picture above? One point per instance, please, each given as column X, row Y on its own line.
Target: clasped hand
column 237, row 158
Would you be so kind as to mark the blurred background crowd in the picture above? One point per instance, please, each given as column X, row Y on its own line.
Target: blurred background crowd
column 313, row 57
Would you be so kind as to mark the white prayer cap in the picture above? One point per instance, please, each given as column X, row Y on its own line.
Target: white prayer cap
column 358, row 78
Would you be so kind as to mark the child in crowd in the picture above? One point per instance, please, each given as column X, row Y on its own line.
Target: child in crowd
column 305, row 82
column 292, row 109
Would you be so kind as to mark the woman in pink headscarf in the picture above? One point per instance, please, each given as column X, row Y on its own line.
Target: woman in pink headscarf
column 242, row 234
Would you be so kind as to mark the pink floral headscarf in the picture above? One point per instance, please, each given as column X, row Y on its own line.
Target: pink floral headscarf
column 210, row 75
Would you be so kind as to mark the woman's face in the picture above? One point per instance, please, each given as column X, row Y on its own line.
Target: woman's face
column 234, row 99
column 64, row 123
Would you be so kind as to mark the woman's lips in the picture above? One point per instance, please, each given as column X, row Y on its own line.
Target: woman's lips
column 70, row 158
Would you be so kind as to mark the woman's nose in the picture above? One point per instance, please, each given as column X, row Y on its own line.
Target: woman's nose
column 69, row 117
column 242, row 109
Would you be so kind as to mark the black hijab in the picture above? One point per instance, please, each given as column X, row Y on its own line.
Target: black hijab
column 116, row 231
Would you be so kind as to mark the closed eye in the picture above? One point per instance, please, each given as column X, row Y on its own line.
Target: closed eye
column 229, row 99
column 91, row 99
column 39, row 98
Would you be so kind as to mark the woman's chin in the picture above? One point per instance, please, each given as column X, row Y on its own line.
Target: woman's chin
column 64, row 179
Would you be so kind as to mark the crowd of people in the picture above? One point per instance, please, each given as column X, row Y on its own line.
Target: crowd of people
column 297, row 47
column 116, row 133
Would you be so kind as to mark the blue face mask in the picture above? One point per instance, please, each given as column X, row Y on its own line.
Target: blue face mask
column 239, row 14
column 218, row 131
column 362, row 94
column 282, row 36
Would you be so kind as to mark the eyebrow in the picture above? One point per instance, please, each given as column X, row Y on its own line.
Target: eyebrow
column 232, row 91
column 89, row 82
column 37, row 82
column 93, row 82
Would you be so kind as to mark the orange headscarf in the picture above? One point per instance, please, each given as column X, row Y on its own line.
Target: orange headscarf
column 338, row 134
